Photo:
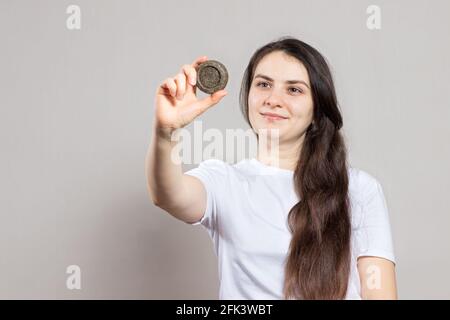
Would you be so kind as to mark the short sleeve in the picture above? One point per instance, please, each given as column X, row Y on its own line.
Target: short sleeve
column 211, row 173
column 374, row 234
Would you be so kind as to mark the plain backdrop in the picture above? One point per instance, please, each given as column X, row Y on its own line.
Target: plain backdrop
column 75, row 121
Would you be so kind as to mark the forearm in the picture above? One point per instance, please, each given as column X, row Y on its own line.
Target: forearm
column 164, row 175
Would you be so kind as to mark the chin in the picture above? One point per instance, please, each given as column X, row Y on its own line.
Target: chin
column 270, row 132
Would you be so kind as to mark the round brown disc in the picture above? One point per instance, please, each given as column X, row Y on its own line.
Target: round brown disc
column 212, row 76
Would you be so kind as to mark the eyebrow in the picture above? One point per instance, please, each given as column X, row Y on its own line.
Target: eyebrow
column 287, row 81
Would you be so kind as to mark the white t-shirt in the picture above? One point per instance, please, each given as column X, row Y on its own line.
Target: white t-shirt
column 246, row 218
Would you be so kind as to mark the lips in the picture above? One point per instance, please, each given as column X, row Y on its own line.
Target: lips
column 273, row 116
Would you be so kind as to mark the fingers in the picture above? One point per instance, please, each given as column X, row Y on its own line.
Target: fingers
column 170, row 85
column 180, row 80
column 185, row 80
column 176, row 86
column 198, row 61
column 210, row 101
column 191, row 73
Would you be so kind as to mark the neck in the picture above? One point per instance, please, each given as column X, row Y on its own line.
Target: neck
column 284, row 156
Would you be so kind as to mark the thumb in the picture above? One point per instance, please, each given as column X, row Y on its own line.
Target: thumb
column 211, row 100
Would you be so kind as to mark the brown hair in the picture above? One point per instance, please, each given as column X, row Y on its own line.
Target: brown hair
column 318, row 261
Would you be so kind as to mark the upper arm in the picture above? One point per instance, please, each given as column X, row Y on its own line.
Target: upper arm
column 377, row 277
column 374, row 245
column 195, row 199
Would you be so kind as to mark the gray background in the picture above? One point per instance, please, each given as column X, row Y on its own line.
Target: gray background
column 75, row 123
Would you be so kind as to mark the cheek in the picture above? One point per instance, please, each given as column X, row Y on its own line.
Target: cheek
column 253, row 110
column 253, row 101
column 253, row 104
column 303, row 110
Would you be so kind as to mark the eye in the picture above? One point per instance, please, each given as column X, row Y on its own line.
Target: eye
column 259, row 84
column 296, row 90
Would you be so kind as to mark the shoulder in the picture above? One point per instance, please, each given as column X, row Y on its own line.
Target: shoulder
column 361, row 178
column 242, row 167
column 362, row 185
column 224, row 172
column 213, row 167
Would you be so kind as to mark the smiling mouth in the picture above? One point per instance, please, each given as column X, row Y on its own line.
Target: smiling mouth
column 273, row 117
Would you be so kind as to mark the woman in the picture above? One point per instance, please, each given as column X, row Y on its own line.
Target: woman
column 311, row 227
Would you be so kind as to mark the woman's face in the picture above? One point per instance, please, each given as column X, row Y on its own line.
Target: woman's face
column 280, row 97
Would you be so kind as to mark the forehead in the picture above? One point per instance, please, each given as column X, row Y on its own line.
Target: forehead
column 281, row 67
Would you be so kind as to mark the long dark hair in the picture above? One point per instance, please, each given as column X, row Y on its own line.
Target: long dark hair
column 318, row 261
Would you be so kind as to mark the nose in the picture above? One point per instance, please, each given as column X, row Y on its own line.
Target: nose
column 273, row 100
